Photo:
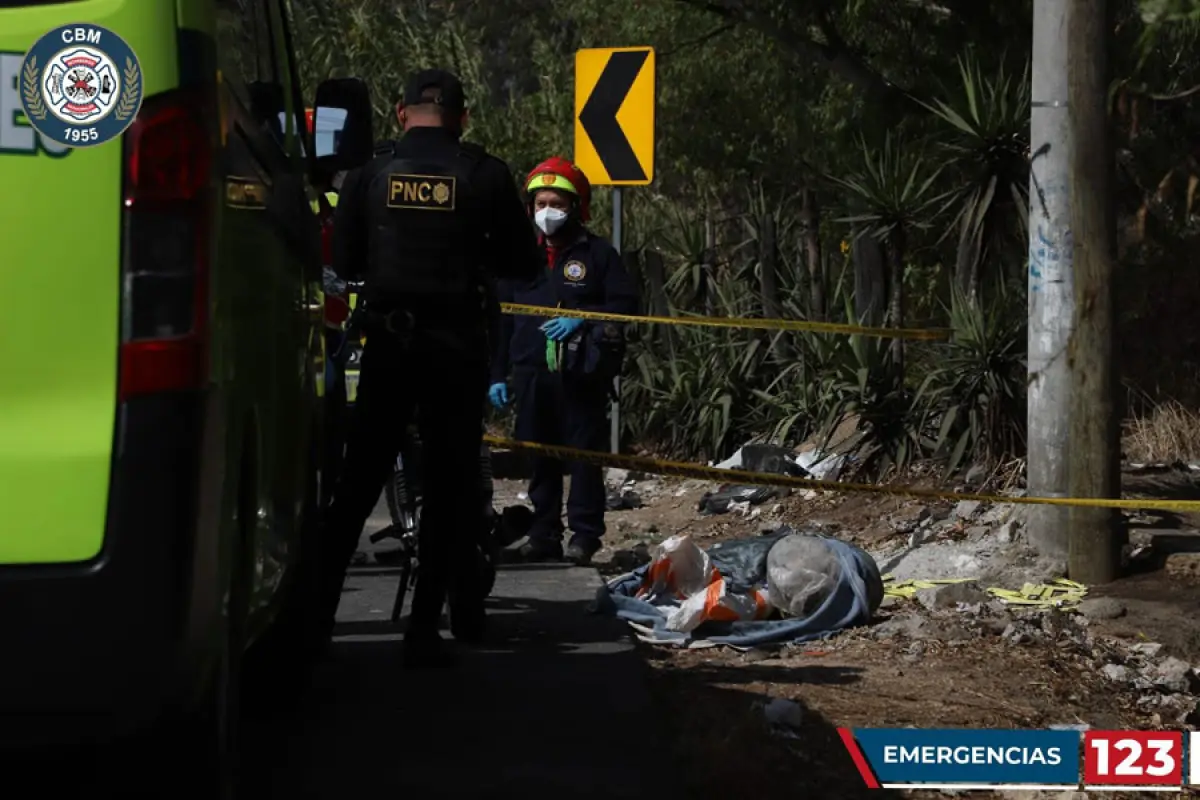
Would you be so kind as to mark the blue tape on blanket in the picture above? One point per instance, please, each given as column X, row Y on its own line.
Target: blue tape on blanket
column 848, row 605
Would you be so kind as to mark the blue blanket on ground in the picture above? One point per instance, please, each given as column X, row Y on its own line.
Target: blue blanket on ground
column 852, row 602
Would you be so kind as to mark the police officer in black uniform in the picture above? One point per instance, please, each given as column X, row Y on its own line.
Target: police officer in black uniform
column 427, row 224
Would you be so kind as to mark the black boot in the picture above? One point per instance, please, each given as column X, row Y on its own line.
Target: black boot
column 541, row 550
column 581, row 550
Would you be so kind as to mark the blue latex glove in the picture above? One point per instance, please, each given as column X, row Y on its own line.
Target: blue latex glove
column 561, row 328
column 498, row 394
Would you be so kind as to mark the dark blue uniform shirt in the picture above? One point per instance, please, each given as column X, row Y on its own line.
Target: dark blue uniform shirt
column 588, row 275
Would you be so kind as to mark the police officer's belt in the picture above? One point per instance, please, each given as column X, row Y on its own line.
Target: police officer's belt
column 396, row 320
column 431, row 313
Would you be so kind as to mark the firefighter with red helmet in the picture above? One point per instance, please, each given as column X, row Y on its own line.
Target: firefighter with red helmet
column 563, row 367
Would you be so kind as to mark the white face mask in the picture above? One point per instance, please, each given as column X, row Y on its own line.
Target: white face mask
column 550, row 220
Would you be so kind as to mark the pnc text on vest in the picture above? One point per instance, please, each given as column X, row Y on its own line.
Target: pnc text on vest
column 422, row 192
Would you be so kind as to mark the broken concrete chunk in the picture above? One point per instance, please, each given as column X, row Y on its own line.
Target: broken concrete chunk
column 910, row 626
column 1101, row 608
column 1184, row 565
column 966, row 509
column 1173, row 675
column 977, row 532
column 950, row 595
column 1116, row 673
column 1147, row 649
column 997, row 514
column 1007, row 533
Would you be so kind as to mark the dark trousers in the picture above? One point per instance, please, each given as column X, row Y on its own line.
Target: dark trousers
column 441, row 377
column 335, row 410
column 569, row 411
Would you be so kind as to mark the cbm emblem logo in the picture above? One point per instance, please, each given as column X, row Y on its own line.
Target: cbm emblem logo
column 81, row 85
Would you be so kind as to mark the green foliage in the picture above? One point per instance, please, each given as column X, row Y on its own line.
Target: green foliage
column 907, row 121
column 988, row 145
column 975, row 394
column 895, row 188
column 1164, row 12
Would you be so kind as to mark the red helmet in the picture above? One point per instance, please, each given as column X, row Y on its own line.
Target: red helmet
column 559, row 173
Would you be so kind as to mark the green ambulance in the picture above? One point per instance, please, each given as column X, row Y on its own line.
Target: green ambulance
column 160, row 419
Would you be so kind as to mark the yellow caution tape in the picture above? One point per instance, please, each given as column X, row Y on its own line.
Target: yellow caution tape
column 1060, row 593
column 907, row 589
column 930, row 334
column 745, row 477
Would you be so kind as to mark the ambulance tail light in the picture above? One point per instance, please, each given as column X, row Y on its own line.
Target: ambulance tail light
column 165, row 249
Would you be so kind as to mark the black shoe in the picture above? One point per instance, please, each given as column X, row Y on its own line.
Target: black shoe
column 580, row 551
column 424, row 652
column 541, row 550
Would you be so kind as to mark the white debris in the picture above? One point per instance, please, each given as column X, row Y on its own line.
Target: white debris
column 733, row 462
column 1147, row 649
column 823, row 467
column 1116, row 673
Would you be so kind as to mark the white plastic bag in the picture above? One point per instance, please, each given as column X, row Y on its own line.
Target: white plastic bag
column 802, row 571
column 718, row 604
column 678, row 569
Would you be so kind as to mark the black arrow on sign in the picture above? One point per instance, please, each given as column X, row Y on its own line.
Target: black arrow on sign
column 599, row 115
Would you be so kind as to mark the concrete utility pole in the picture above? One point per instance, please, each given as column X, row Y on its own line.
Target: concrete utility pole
column 1050, row 284
column 1095, row 459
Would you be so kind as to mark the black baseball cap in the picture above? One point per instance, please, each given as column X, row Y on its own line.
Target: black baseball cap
column 452, row 98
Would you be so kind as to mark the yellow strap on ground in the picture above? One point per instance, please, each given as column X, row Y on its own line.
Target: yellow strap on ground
column 701, row 472
column 931, row 334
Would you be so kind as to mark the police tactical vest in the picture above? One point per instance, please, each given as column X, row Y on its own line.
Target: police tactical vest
column 427, row 222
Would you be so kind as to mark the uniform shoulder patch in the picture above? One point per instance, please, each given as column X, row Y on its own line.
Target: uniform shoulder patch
column 422, row 192
column 574, row 271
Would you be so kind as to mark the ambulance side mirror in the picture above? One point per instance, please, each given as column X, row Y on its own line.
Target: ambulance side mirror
column 343, row 138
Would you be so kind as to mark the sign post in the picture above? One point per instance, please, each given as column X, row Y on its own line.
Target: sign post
column 614, row 136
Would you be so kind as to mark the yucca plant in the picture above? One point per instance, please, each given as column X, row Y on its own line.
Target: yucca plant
column 857, row 383
column 695, row 405
column 861, row 386
column 693, row 400
column 989, row 116
column 893, row 195
column 794, row 401
column 974, row 396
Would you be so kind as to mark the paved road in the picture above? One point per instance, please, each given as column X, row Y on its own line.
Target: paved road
column 543, row 714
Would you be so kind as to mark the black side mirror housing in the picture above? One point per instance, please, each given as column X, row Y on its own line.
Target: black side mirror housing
column 342, row 125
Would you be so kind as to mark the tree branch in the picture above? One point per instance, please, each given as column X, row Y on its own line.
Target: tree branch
column 834, row 53
column 699, row 40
